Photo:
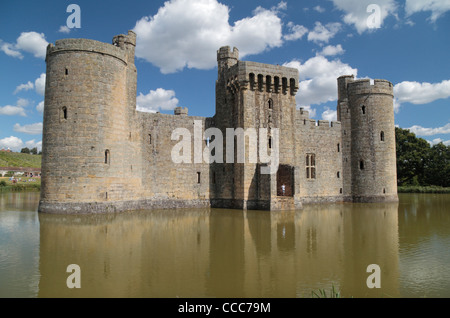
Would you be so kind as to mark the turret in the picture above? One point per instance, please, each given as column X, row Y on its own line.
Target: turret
column 366, row 112
column 89, row 100
column 127, row 43
column 226, row 58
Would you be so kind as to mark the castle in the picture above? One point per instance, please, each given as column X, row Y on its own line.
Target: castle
column 102, row 155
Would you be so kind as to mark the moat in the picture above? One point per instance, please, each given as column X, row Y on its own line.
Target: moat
column 228, row 253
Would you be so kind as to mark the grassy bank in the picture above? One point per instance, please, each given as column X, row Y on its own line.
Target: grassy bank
column 25, row 184
column 422, row 189
column 16, row 159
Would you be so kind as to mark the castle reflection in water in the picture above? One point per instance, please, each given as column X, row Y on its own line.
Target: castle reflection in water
column 222, row 253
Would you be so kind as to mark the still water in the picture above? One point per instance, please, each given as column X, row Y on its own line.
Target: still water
column 228, row 253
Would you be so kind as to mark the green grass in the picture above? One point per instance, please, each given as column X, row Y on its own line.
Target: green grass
column 16, row 159
column 322, row 293
column 7, row 185
column 422, row 189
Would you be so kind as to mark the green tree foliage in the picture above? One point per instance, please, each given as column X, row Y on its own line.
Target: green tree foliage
column 437, row 171
column 419, row 164
column 25, row 150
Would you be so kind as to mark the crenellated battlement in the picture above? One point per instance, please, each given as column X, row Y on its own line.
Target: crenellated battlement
column 88, row 46
column 262, row 77
column 303, row 120
column 122, row 47
column 366, row 86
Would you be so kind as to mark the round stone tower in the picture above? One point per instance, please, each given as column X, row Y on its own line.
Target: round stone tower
column 89, row 93
column 373, row 154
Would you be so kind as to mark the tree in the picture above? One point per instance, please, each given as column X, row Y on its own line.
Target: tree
column 412, row 157
column 25, row 150
column 33, row 151
column 437, row 170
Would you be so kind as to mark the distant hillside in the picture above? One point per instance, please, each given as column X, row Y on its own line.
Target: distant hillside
column 15, row 159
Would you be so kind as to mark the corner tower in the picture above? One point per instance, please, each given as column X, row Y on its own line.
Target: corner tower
column 90, row 98
column 366, row 112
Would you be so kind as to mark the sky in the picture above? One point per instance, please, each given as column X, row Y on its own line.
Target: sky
column 404, row 41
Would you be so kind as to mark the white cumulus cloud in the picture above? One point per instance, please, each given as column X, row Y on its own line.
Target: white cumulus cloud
column 31, row 42
column 323, row 33
column 9, row 50
column 14, row 110
column 329, row 114
column 319, row 9
column 439, row 140
column 40, row 107
column 437, row 7
column 32, row 129
column 318, row 79
column 355, row 12
column 422, row 131
column 420, row 93
column 24, row 87
column 33, row 143
column 12, row 142
column 39, row 83
column 331, row 50
column 187, row 33
column 64, row 29
column 160, row 99
column 295, row 32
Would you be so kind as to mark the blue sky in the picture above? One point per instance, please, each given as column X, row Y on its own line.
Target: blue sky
column 404, row 41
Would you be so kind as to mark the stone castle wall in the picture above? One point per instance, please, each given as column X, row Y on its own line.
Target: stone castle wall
column 101, row 154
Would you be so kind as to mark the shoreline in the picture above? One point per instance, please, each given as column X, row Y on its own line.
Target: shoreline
column 423, row 189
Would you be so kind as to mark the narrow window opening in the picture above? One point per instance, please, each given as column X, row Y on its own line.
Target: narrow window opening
column 363, row 110
column 107, row 156
column 270, row 142
column 270, row 104
column 384, row 191
column 292, row 86
column 310, row 166
column 198, row 177
column 64, row 112
column 67, row 71
column 284, row 84
column 276, row 84
column 252, row 81
column 339, row 147
column 382, row 136
column 150, row 139
column 268, row 83
column 338, row 174
column 340, row 190
column 106, row 195
column 361, row 165
column 260, row 82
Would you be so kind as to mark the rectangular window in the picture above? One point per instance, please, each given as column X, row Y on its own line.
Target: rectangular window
column 198, row 177
column 310, row 166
